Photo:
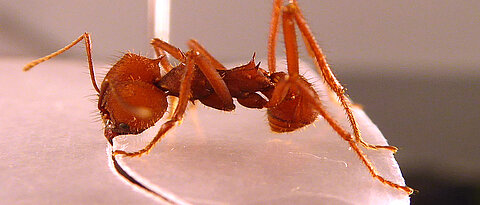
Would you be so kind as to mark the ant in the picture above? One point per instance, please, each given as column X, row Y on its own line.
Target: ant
column 133, row 94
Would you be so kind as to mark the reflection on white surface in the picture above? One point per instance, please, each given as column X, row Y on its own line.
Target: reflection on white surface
column 215, row 157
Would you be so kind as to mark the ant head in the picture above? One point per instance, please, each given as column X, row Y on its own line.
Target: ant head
column 131, row 107
column 130, row 102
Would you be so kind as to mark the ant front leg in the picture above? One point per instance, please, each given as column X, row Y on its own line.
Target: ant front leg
column 184, row 97
column 164, row 60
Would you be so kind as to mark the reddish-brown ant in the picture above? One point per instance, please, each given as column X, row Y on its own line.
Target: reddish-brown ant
column 133, row 94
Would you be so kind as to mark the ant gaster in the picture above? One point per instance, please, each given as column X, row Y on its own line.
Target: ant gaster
column 133, row 94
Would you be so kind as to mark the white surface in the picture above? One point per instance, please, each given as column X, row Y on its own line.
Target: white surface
column 54, row 152
column 215, row 157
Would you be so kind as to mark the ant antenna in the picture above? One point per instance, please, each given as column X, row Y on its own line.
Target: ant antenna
column 86, row 38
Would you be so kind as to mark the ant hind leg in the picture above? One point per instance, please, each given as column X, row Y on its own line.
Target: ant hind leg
column 294, row 11
column 309, row 94
column 290, row 14
column 272, row 37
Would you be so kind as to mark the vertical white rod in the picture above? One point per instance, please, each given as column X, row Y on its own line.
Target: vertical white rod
column 161, row 19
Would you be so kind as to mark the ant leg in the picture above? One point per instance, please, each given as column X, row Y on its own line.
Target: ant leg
column 216, row 81
column 156, row 44
column 184, row 96
column 295, row 81
column 290, row 40
column 309, row 94
column 322, row 67
column 88, row 48
column 205, row 66
column 163, row 60
column 195, row 45
column 172, row 50
column 272, row 37
column 101, row 94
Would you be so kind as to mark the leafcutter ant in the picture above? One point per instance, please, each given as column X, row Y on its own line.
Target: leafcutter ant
column 133, row 94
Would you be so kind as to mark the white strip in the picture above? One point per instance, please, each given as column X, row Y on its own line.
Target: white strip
column 162, row 19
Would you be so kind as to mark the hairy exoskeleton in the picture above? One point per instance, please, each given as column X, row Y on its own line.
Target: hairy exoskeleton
column 133, row 94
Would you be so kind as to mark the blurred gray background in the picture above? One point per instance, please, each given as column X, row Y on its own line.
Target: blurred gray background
column 414, row 65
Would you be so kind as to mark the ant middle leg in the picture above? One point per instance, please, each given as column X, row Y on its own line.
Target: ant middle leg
column 195, row 45
column 204, row 63
column 164, row 60
column 192, row 60
column 219, row 86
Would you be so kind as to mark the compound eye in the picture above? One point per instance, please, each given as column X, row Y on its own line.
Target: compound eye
column 124, row 127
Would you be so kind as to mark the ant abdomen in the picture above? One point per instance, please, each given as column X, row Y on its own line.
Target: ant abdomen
column 294, row 111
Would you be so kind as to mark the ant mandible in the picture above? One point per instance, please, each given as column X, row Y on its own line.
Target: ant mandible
column 133, row 94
